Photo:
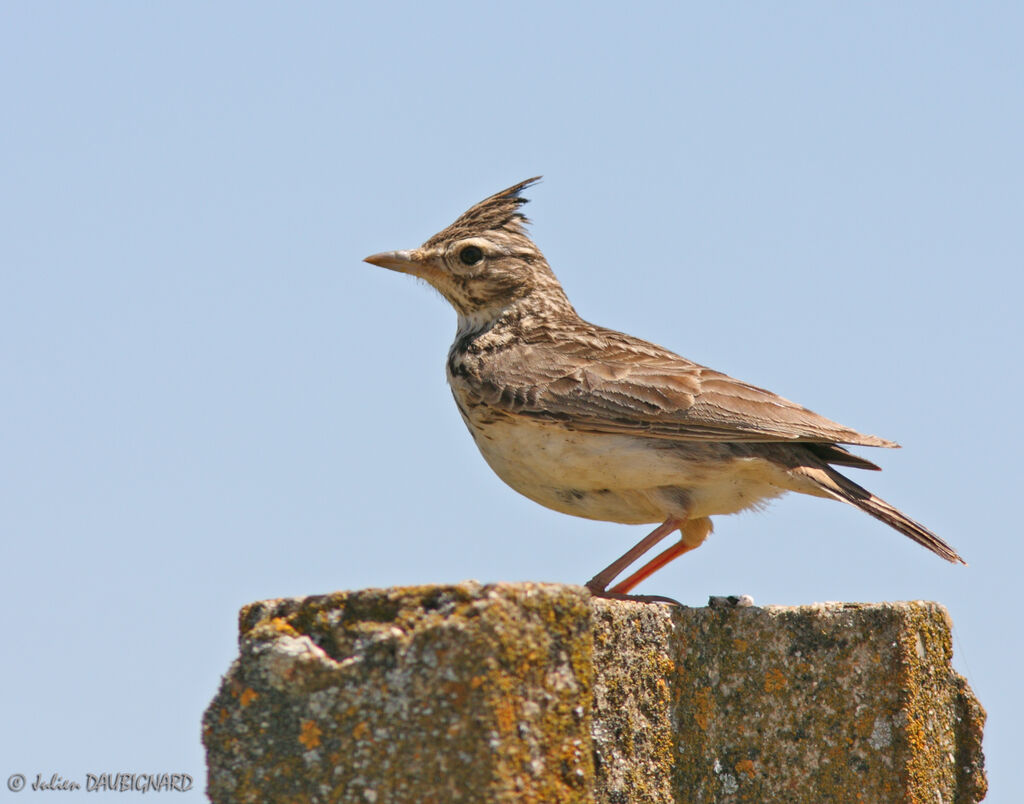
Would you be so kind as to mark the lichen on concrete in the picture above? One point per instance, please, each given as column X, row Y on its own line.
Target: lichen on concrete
column 632, row 729
column 459, row 693
column 853, row 702
column 536, row 693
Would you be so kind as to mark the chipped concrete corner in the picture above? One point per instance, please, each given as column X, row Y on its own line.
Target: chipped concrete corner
column 536, row 693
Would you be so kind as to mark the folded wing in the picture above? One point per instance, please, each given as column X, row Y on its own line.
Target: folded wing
column 608, row 382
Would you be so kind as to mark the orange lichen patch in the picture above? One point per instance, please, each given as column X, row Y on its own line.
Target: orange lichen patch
column 505, row 714
column 740, row 645
column 309, row 734
column 222, row 715
column 837, row 753
column 477, row 681
column 282, row 626
column 248, row 696
column 704, row 704
column 360, row 730
column 774, row 681
column 745, row 766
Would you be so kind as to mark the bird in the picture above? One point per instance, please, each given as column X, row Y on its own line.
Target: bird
column 599, row 424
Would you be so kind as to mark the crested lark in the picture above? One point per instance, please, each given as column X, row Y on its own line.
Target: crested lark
column 602, row 425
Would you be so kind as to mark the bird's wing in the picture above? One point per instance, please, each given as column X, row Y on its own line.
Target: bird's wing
column 608, row 382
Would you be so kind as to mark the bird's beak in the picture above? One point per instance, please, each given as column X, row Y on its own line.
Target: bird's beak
column 402, row 261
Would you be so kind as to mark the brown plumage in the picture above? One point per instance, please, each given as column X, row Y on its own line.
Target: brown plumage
column 600, row 424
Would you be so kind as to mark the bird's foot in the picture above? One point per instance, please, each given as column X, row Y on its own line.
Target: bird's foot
column 604, row 593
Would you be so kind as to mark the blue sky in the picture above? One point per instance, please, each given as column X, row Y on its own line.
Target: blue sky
column 209, row 399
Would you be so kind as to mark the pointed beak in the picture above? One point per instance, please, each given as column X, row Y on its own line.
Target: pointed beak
column 402, row 261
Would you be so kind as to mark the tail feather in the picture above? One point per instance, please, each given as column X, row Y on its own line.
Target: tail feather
column 833, row 453
column 845, row 489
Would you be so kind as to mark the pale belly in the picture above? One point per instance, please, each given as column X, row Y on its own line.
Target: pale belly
column 626, row 479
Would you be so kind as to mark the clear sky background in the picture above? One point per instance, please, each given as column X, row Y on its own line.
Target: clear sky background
column 208, row 399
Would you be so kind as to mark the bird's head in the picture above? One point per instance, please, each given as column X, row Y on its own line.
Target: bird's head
column 484, row 261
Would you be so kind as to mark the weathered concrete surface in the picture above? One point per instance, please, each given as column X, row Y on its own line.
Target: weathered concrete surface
column 423, row 694
column 535, row 693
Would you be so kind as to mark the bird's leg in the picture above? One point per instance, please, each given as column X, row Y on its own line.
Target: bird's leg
column 692, row 534
column 651, row 567
column 598, row 585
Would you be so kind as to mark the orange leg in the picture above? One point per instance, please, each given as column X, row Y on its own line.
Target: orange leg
column 651, row 567
column 599, row 583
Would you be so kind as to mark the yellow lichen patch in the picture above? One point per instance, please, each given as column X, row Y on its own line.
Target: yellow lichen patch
column 774, row 681
column 703, row 706
column 477, row 681
column 740, row 645
column 360, row 729
column 248, row 696
column 745, row 766
column 309, row 734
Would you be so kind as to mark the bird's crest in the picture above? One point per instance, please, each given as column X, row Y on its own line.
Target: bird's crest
column 499, row 212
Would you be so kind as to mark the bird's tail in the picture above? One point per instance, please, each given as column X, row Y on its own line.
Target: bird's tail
column 845, row 489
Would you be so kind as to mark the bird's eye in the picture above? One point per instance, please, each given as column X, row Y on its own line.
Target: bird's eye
column 471, row 255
